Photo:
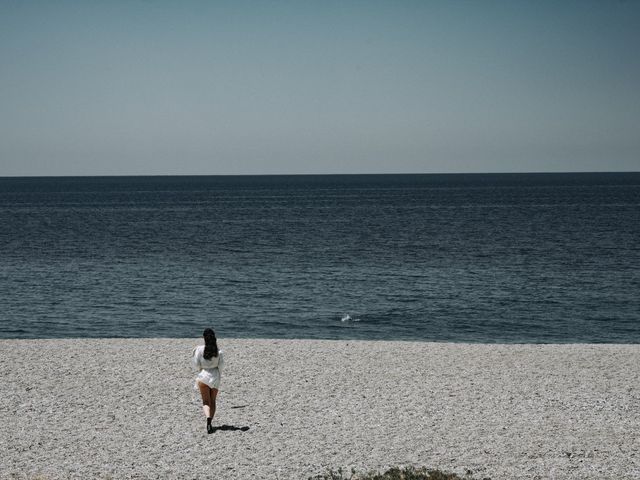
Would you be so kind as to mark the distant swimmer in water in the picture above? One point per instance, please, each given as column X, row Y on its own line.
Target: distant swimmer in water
column 208, row 362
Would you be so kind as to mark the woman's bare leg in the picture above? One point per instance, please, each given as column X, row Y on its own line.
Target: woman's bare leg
column 214, row 395
column 205, row 393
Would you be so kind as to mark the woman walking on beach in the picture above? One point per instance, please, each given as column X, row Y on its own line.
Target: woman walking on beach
column 207, row 360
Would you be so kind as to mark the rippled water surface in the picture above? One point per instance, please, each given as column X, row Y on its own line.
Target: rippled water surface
column 478, row 258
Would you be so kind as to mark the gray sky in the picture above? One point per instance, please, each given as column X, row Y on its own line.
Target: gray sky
column 152, row 87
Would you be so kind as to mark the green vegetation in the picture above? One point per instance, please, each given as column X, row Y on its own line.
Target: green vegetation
column 395, row 473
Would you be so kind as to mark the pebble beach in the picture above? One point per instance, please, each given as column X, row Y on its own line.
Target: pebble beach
column 127, row 408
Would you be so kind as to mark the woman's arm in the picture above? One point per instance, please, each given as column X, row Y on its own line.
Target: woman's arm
column 195, row 360
column 220, row 361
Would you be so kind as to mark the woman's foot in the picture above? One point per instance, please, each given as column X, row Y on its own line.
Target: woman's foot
column 210, row 428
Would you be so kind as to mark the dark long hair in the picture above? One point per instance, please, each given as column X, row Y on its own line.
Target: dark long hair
column 210, row 344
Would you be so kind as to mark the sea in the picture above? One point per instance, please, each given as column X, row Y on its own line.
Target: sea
column 490, row 258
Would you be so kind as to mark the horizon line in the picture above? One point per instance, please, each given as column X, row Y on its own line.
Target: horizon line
column 588, row 172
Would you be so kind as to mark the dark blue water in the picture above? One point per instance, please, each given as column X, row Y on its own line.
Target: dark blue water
column 479, row 258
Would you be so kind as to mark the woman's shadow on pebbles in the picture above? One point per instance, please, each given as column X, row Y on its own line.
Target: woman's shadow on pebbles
column 230, row 428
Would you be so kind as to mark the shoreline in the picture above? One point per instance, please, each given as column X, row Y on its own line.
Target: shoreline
column 126, row 408
column 309, row 339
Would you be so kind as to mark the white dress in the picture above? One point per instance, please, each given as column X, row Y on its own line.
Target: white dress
column 208, row 370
